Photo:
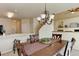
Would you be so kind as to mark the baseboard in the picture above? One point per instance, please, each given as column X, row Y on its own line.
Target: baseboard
column 75, row 49
column 6, row 51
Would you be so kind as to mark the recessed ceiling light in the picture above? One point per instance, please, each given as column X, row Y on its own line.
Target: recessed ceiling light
column 10, row 14
column 15, row 10
column 72, row 12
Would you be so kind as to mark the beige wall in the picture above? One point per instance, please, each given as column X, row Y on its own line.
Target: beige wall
column 18, row 26
column 9, row 25
column 46, row 30
column 26, row 26
column 35, row 25
column 31, row 25
column 56, row 24
column 62, row 17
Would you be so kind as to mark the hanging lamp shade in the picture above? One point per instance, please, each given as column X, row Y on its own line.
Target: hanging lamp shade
column 46, row 17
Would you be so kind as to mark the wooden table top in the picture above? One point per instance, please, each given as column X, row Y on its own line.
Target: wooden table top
column 50, row 50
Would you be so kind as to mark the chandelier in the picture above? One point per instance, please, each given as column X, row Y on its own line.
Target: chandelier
column 46, row 17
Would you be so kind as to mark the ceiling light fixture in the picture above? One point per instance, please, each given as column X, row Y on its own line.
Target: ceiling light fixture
column 72, row 12
column 46, row 17
column 10, row 14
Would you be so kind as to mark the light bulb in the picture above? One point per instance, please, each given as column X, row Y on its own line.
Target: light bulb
column 52, row 16
column 43, row 15
column 39, row 18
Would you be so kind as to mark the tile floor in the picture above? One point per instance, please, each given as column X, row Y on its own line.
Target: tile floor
column 75, row 52
column 10, row 54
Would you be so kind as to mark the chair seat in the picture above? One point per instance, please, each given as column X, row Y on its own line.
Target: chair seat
column 59, row 54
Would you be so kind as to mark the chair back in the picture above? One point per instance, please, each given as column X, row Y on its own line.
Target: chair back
column 73, row 42
column 34, row 38
column 15, row 44
column 69, row 47
column 57, row 37
column 66, row 51
column 0, row 53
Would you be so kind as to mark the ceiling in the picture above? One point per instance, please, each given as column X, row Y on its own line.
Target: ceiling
column 32, row 10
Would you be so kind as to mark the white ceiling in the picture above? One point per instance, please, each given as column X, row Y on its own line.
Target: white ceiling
column 31, row 10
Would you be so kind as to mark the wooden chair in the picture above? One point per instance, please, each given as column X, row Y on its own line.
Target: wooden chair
column 34, row 38
column 57, row 37
column 16, row 46
column 20, row 46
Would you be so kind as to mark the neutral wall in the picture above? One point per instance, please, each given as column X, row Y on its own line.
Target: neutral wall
column 65, row 15
column 66, row 22
column 12, row 26
column 35, row 25
column 46, row 31
column 56, row 23
column 26, row 26
column 71, row 20
column 18, row 26
column 8, row 25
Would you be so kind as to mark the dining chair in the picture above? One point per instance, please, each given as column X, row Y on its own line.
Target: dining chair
column 15, row 42
column 57, row 37
column 34, row 38
column 68, row 48
column 73, row 42
column 14, row 45
column 0, row 53
column 66, row 51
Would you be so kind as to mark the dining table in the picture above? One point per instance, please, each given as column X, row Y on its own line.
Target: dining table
column 51, row 49
column 42, row 49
